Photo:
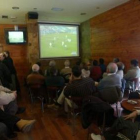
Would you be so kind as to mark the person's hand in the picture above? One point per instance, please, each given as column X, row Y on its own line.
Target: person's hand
column 15, row 93
column 96, row 84
column 131, row 115
column 70, row 78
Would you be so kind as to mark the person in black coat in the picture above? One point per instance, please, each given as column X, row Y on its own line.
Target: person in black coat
column 5, row 75
column 7, row 60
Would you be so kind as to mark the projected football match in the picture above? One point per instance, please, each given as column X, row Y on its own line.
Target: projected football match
column 15, row 36
column 58, row 40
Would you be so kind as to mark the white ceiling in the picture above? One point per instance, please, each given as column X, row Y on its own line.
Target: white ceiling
column 71, row 13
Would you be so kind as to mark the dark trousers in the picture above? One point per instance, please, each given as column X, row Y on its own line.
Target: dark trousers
column 9, row 120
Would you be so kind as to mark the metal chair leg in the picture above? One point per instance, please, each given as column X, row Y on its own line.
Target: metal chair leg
column 42, row 104
column 73, row 124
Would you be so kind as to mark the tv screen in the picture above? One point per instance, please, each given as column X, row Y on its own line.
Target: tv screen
column 15, row 37
column 58, row 40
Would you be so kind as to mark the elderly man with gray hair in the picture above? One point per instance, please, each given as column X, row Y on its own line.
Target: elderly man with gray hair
column 67, row 68
column 35, row 76
column 111, row 79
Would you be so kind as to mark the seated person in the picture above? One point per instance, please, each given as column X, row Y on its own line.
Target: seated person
column 130, row 116
column 40, row 70
column 85, row 71
column 8, row 102
column 6, row 96
column 35, row 77
column 120, row 69
column 111, row 79
column 95, row 72
column 65, row 72
column 134, row 71
column 14, row 123
column 102, row 65
column 77, row 87
column 116, row 60
column 54, row 79
column 52, row 64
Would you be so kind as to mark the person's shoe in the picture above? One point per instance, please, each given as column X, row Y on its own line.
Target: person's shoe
column 96, row 137
column 25, row 125
column 20, row 110
column 53, row 106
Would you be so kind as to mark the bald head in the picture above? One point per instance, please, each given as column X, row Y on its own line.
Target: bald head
column 35, row 68
column 112, row 68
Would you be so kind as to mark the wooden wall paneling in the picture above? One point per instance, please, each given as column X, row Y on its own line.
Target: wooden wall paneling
column 18, row 52
column 116, row 33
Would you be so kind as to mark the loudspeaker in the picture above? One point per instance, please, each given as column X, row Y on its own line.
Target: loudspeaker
column 32, row 15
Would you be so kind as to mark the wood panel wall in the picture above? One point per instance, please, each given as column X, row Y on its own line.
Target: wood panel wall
column 116, row 33
column 18, row 52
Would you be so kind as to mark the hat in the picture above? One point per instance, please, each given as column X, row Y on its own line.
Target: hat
column 35, row 68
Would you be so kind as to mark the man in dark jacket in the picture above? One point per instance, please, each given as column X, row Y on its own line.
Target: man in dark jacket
column 5, row 75
column 78, row 87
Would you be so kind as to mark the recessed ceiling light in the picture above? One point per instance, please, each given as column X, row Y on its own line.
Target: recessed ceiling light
column 97, row 7
column 15, row 8
column 83, row 14
column 57, row 9
column 4, row 16
column 13, row 17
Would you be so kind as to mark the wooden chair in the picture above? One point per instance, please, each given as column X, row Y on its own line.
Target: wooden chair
column 136, row 84
column 66, row 77
column 133, row 85
column 53, row 92
column 35, row 92
column 111, row 95
column 95, row 114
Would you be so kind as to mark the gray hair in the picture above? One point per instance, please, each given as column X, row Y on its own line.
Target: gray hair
column 67, row 63
column 52, row 63
column 112, row 68
column 35, row 68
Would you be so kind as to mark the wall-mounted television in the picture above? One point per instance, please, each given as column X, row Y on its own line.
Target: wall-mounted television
column 14, row 37
column 58, row 40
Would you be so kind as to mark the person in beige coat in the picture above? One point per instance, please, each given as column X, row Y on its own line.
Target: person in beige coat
column 6, row 96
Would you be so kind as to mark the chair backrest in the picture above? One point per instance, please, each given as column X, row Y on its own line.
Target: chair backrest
column 110, row 94
column 66, row 77
column 78, row 101
column 36, row 89
column 35, row 86
column 136, row 83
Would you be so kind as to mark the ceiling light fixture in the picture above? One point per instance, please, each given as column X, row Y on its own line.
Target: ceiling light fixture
column 57, row 9
column 83, row 14
column 13, row 17
column 15, row 8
